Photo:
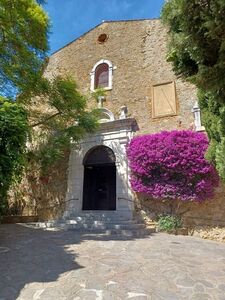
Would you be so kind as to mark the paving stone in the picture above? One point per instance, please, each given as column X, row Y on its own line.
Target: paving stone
column 206, row 283
column 45, row 265
column 222, row 287
column 4, row 249
column 167, row 295
column 8, row 293
column 185, row 282
column 200, row 296
column 199, row 288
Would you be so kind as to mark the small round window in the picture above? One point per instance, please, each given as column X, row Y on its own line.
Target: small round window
column 102, row 38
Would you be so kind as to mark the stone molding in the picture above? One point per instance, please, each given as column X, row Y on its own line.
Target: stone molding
column 92, row 74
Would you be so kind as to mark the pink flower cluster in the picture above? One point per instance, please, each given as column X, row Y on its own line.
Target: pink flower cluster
column 172, row 165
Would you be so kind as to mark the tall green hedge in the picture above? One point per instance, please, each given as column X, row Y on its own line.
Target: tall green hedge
column 197, row 52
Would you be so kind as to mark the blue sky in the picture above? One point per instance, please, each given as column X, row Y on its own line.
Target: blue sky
column 71, row 18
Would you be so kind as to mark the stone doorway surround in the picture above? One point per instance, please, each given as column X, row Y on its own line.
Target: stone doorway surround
column 115, row 135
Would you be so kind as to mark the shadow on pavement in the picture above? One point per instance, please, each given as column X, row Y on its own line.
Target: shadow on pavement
column 30, row 255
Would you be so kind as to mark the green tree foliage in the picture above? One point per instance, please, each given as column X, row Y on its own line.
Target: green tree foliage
column 14, row 132
column 50, row 112
column 197, row 52
column 23, row 45
column 59, row 119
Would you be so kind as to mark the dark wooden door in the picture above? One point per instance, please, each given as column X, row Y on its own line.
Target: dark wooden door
column 99, row 191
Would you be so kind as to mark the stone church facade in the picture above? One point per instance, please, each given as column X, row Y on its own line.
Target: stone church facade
column 143, row 96
column 128, row 60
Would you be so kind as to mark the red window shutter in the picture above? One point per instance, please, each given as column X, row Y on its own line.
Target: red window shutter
column 102, row 76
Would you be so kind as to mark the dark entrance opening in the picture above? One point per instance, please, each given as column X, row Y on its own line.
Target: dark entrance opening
column 99, row 190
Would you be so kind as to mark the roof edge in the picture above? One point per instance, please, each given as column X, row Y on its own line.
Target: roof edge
column 108, row 21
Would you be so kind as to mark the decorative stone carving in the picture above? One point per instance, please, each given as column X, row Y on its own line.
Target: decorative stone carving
column 105, row 115
column 123, row 112
column 197, row 117
column 101, row 99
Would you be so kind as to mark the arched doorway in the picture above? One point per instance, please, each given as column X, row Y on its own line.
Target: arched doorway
column 99, row 189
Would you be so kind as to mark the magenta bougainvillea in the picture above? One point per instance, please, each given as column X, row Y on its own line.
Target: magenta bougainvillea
column 171, row 165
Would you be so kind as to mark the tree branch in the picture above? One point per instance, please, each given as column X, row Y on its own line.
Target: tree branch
column 47, row 119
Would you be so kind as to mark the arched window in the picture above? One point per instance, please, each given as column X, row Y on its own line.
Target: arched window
column 102, row 75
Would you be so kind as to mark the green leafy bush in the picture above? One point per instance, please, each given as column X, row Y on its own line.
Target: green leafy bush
column 168, row 223
column 14, row 132
column 196, row 51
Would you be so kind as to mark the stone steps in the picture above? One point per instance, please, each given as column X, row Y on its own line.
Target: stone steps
column 106, row 223
column 99, row 223
column 98, row 216
column 71, row 224
column 107, row 231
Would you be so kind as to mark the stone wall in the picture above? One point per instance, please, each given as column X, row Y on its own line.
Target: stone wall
column 41, row 194
column 210, row 213
column 137, row 50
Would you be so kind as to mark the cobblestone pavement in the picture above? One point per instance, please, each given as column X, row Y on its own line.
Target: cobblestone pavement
column 46, row 265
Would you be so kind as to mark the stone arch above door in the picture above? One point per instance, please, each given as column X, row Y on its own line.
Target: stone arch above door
column 99, row 155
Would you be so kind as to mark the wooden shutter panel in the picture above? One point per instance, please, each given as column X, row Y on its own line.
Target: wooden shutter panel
column 164, row 100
